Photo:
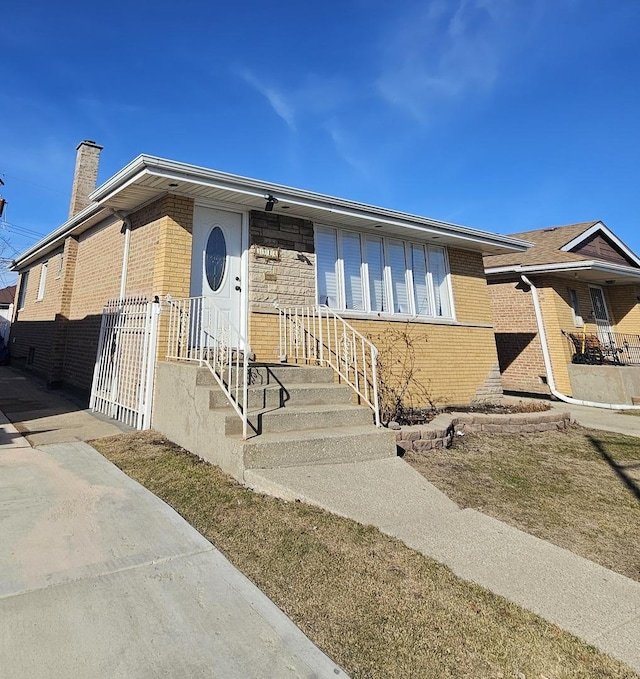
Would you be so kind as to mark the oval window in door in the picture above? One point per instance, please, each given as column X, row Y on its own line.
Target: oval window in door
column 215, row 258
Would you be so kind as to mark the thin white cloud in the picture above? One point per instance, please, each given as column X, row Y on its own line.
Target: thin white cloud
column 444, row 52
column 277, row 99
column 344, row 147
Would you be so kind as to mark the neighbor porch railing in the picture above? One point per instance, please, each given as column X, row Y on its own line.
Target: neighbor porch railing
column 605, row 347
column 201, row 332
column 318, row 335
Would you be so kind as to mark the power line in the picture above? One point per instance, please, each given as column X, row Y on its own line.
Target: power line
column 22, row 230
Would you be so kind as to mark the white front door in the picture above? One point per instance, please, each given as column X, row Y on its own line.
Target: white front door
column 216, row 267
column 601, row 316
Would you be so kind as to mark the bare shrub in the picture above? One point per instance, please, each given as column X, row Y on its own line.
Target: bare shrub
column 401, row 392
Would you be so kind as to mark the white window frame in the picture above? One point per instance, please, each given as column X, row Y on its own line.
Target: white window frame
column 22, row 293
column 388, row 296
column 43, row 281
column 575, row 308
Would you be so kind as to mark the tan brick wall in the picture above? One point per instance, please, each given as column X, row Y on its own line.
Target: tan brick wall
column 517, row 340
column 453, row 361
column 97, row 279
column 172, row 260
column 469, row 284
column 624, row 308
column 33, row 334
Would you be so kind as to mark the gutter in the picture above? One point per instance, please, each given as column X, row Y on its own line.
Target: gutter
column 547, row 361
column 126, row 226
column 169, row 169
column 584, row 265
column 56, row 237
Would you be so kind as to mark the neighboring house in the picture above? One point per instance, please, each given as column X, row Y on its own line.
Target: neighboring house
column 566, row 314
column 170, row 230
column 7, row 295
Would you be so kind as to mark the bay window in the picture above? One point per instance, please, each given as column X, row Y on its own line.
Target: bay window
column 362, row 272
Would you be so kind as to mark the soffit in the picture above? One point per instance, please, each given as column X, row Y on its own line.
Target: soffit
column 148, row 186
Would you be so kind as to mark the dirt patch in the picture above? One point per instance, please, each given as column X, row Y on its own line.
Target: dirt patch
column 425, row 415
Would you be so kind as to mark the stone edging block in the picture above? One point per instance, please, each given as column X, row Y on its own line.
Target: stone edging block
column 440, row 431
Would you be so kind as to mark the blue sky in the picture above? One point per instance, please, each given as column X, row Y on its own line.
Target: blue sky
column 505, row 115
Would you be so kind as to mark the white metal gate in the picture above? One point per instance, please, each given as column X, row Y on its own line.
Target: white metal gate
column 125, row 364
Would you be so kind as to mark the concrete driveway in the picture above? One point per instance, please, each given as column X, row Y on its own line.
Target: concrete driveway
column 100, row 578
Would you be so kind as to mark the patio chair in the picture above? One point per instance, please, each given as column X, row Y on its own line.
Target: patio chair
column 587, row 349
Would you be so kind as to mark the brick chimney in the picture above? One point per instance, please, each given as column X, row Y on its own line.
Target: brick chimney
column 85, row 175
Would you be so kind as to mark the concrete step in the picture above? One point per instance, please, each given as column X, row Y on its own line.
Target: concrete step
column 294, row 418
column 286, row 374
column 318, row 446
column 270, row 396
column 274, row 373
column 274, row 396
column 304, row 418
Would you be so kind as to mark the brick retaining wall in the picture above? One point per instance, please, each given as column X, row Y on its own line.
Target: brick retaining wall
column 440, row 431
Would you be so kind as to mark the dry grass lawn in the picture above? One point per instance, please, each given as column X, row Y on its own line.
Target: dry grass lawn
column 378, row 608
column 579, row 489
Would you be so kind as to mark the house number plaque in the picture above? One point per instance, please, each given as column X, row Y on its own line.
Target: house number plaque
column 268, row 253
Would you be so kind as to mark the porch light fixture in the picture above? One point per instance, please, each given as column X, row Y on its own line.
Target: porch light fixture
column 610, row 282
column 271, row 201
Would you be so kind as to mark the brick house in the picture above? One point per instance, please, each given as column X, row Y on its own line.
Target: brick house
column 566, row 314
column 172, row 230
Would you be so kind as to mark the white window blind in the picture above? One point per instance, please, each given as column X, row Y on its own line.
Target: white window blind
column 22, row 295
column 438, row 266
column 43, row 281
column 398, row 265
column 327, row 262
column 420, row 281
column 367, row 273
column 352, row 266
column 375, row 265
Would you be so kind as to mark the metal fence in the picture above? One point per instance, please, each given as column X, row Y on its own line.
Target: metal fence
column 611, row 348
column 123, row 375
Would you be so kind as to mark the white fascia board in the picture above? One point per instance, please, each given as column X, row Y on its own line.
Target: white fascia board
column 601, row 226
column 55, row 238
column 564, row 267
column 260, row 189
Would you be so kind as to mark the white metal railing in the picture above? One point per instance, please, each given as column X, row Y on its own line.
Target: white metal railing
column 318, row 335
column 199, row 331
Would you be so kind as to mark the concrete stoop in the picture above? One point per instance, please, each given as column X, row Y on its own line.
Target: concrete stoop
column 298, row 416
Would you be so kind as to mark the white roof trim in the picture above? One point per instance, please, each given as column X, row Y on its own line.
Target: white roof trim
column 600, row 226
column 145, row 165
column 56, row 238
column 566, row 266
column 161, row 167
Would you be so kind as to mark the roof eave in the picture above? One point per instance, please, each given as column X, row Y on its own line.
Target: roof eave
column 151, row 165
column 566, row 267
column 55, row 239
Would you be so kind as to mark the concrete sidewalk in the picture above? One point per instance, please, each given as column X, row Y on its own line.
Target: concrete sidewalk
column 100, row 578
column 601, row 418
column 594, row 603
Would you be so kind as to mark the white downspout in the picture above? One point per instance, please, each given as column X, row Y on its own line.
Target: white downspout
column 125, row 254
column 547, row 360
